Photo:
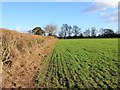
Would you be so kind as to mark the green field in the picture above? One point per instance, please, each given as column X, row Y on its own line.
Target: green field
column 81, row 63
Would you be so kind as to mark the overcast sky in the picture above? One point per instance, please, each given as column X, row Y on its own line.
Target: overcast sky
column 22, row 16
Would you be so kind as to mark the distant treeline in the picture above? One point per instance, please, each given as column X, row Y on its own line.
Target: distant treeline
column 106, row 34
column 69, row 32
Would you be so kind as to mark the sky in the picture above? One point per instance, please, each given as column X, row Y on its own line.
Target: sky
column 23, row 16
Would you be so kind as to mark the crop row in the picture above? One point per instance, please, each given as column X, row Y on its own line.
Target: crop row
column 83, row 64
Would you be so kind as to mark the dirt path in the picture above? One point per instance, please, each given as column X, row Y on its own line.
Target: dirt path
column 21, row 73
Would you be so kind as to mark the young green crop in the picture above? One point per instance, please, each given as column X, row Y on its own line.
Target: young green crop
column 82, row 63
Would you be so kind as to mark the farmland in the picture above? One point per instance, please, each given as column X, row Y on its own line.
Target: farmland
column 81, row 63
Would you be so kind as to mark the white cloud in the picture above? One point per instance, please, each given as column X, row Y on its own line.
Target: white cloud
column 102, row 7
column 18, row 28
column 110, row 17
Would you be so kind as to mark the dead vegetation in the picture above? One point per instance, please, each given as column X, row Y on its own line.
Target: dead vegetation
column 21, row 55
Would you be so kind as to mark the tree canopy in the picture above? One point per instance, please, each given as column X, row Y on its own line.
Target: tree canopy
column 51, row 29
column 38, row 31
column 68, row 31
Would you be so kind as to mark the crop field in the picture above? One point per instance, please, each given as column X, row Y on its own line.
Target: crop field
column 81, row 63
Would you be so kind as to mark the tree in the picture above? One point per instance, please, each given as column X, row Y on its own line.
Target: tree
column 87, row 33
column 70, row 31
column 76, row 30
column 93, row 32
column 30, row 31
column 81, row 35
column 61, row 34
column 51, row 29
column 108, row 33
column 118, row 34
column 38, row 31
column 64, row 29
column 101, row 31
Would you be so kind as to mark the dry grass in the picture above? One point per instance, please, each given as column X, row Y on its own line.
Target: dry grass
column 21, row 56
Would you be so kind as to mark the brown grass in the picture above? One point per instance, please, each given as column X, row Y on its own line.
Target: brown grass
column 21, row 57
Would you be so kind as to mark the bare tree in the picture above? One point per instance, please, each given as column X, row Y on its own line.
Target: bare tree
column 87, row 33
column 101, row 31
column 93, row 32
column 30, row 31
column 51, row 29
column 70, row 31
column 76, row 30
column 61, row 34
column 64, row 29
